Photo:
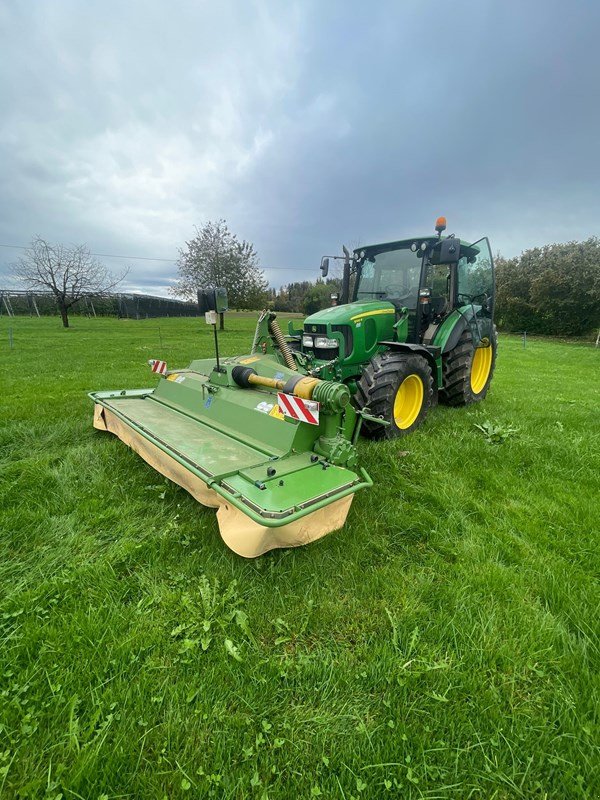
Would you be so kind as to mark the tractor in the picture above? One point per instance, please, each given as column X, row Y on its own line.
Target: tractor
column 414, row 325
column 268, row 437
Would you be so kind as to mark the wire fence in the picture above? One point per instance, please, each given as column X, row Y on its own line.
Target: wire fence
column 127, row 306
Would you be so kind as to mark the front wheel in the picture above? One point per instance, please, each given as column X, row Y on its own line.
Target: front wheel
column 399, row 389
column 467, row 370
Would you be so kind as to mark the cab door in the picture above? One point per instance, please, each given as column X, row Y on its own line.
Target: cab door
column 476, row 289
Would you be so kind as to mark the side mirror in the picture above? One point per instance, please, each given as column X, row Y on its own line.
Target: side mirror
column 449, row 251
column 212, row 300
column 324, row 267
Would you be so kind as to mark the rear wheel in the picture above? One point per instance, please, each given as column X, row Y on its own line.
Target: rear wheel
column 398, row 388
column 467, row 370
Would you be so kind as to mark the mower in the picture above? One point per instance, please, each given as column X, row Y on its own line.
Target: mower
column 269, row 438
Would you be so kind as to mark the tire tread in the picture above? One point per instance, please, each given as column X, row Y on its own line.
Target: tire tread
column 377, row 387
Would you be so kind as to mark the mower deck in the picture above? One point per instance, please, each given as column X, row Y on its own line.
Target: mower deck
column 271, row 487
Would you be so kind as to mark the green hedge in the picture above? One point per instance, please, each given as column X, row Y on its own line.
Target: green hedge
column 553, row 290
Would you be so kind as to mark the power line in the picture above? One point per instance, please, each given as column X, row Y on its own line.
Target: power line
column 165, row 260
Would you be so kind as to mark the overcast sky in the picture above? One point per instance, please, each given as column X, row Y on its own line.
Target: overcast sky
column 305, row 125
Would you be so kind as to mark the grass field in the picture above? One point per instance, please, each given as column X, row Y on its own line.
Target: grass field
column 444, row 644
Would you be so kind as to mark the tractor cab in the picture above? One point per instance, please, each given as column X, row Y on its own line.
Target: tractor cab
column 426, row 279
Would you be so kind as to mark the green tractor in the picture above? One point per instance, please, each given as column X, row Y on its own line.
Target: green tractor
column 268, row 437
column 414, row 324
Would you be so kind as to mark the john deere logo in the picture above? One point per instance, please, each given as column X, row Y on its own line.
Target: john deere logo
column 314, row 328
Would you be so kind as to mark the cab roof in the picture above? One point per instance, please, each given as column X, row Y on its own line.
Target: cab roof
column 374, row 249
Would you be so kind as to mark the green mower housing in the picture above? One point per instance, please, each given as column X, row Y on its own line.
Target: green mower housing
column 217, row 429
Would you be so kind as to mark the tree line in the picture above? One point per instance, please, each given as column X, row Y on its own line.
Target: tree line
column 552, row 290
column 305, row 297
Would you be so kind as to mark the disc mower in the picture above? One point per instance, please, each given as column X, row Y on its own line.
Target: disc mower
column 271, row 448
column 268, row 438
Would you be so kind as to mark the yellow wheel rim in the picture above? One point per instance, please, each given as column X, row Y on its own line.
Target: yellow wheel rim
column 408, row 401
column 480, row 368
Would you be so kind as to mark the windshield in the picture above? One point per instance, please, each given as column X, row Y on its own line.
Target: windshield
column 392, row 275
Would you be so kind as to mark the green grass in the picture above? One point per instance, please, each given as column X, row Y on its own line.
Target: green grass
column 444, row 644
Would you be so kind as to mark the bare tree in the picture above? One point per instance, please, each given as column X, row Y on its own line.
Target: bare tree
column 68, row 272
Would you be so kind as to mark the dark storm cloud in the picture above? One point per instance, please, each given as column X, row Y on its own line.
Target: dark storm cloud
column 305, row 125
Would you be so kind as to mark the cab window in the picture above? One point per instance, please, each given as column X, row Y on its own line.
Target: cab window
column 476, row 276
column 437, row 279
column 391, row 275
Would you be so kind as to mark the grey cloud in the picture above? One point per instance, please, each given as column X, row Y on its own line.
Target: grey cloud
column 304, row 125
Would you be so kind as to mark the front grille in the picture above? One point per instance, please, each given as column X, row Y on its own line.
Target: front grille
column 326, row 354
column 346, row 332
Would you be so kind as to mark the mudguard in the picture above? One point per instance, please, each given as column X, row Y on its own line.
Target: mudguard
column 429, row 353
column 452, row 328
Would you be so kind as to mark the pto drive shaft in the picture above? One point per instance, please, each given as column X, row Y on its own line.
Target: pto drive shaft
column 332, row 396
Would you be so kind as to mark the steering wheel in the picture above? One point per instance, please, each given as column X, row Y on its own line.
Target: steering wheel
column 390, row 291
column 472, row 297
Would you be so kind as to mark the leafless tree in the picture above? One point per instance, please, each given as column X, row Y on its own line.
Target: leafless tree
column 68, row 272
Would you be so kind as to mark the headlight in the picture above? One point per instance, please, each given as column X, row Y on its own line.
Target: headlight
column 307, row 341
column 325, row 342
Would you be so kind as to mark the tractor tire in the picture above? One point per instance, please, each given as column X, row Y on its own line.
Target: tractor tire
column 399, row 389
column 467, row 371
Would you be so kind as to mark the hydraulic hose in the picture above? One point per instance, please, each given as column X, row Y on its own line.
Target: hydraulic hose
column 276, row 333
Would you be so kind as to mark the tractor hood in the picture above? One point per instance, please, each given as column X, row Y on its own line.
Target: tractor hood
column 349, row 313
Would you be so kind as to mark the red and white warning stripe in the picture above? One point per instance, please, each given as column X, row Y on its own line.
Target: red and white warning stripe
column 158, row 366
column 297, row 408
